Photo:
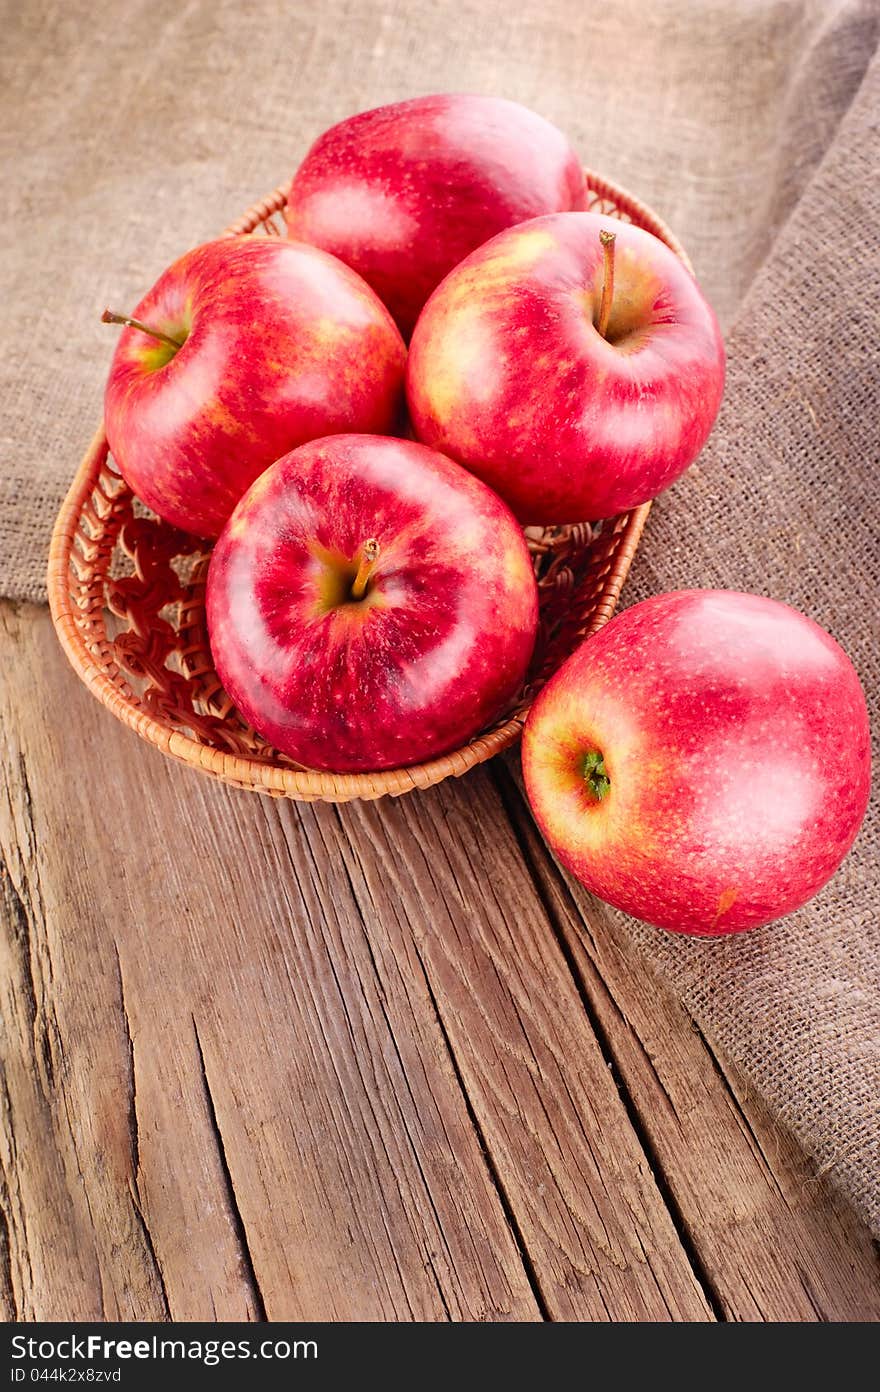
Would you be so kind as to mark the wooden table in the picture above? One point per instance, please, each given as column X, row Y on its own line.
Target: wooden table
column 380, row 1061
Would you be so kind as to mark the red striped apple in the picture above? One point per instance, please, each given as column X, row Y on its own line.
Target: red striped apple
column 703, row 762
column 572, row 363
column 370, row 604
column 243, row 349
column 404, row 192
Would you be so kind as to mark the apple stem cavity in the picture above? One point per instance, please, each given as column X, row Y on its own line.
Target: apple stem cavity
column 109, row 317
column 369, row 555
column 596, row 776
column 607, row 239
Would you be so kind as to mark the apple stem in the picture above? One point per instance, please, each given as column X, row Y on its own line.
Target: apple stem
column 596, row 775
column 607, row 239
column 369, row 557
column 109, row 317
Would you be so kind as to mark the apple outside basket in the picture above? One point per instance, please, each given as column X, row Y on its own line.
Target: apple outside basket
column 127, row 593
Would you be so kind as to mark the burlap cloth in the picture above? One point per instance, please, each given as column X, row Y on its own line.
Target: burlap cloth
column 134, row 128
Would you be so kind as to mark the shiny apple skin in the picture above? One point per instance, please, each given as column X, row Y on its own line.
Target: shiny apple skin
column 508, row 374
column 404, row 192
column 735, row 737
column 439, row 645
column 283, row 344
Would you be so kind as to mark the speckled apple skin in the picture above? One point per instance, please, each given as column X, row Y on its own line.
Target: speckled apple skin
column 735, row 736
column 508, row 373
column 442, row 640
column 284, row 344
column 404, row 192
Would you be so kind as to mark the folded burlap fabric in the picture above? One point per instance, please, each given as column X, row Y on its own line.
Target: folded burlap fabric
column 784, row 500
column 133, row 130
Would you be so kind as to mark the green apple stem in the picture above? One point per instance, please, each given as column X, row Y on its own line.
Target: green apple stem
column 109, row 317
column 596, row 775
column 607, row 239
column 369, row 557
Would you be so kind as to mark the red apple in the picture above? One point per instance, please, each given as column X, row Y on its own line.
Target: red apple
column 513, row 373
column 404, row 192
column 370, row 604
column 263, row 344
column 703, row 762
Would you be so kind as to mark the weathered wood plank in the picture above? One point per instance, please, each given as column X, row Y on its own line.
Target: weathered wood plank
column 32, row 1164
column 241, row 1113
column 772, row 1240
column 443, row 875
column 86, row 1064
column 352, row 1063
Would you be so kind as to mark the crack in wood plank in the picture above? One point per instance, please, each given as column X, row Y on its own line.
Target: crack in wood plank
column 21, row 928
column 7, row 1281
column 238, row 1222
column 134, row 1139
column 147, row 1236
column 132, row 1078
column 7, row 1288
column 20, row 919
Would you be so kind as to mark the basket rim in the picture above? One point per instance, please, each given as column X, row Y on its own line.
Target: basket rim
column 257, row 774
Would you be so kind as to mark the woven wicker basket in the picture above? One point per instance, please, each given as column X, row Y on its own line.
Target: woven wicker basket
column 126, row 593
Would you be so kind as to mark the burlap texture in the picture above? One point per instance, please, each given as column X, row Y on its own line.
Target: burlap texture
column 134, row 128
column 784, row 501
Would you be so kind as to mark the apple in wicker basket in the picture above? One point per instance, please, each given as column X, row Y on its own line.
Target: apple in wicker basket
column 370, row 604
column 404, row 192
column 242, row 350
column 703, row 762
column 572, row 363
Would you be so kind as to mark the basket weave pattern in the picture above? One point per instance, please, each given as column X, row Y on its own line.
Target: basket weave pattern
column 126, row 593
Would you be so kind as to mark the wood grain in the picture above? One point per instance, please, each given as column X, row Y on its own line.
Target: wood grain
column 597, row 1233
column 300, row 1129
column 376, row 1062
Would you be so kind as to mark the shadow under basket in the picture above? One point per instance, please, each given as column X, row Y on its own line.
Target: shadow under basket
column 127, row 592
